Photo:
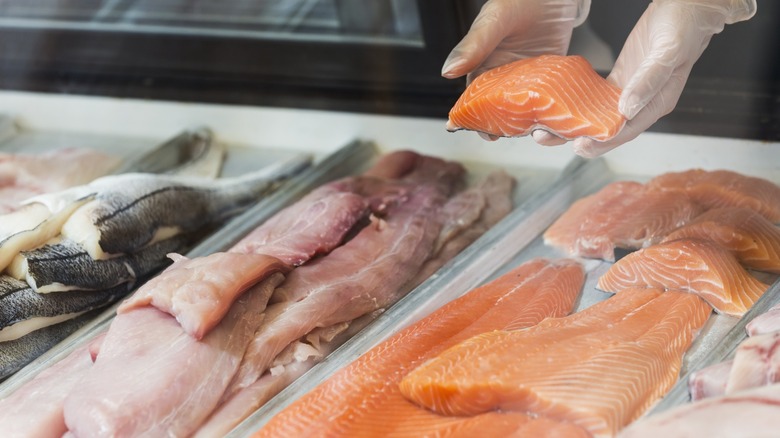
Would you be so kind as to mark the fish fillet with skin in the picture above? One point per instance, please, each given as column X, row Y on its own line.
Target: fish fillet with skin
column 363, row 399
column 199, row 292
column 130, row 210
column 600, row 368
column 623, row 214
column 723, row 188
column 560, row 94
column 690, row 265
column 753, row 239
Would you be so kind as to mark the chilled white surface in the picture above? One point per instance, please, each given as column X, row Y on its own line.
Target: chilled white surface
column 324, row 131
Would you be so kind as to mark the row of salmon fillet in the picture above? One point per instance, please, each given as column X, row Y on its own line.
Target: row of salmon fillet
column 504, row 360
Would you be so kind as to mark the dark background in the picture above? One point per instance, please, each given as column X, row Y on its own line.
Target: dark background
column 733, row 91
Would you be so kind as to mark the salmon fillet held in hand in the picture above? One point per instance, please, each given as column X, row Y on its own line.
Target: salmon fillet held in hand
column 560, row 94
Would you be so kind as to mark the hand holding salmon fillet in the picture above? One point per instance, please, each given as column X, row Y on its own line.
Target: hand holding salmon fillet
column 657, row 58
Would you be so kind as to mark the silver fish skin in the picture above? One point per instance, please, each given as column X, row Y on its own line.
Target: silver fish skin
column 17, row 353
column 19, row 303
column 133, row 210
column 66, row 266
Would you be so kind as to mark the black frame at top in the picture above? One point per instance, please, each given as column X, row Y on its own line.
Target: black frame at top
column 356, row 77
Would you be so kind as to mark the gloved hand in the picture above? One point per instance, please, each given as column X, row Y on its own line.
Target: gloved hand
column 657, row 58
column 508, row 30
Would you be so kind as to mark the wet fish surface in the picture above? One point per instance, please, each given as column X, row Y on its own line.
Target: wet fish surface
column 66, row 266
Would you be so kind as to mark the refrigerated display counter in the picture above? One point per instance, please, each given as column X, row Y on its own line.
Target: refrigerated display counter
column 346, row 82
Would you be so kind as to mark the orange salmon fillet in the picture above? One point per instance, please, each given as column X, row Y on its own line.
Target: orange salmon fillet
column 753, row 239
column 560, row 94
column 689, row 265
column 363, row 399
column 623, row 214
column 600, row 368
column 723, row 188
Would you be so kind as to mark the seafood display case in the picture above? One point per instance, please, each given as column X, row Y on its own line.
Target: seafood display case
column 346, row 82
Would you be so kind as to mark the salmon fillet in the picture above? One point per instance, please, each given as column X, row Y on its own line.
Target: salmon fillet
column 723, row 188
column 600, row 368
column 560, row 94
column 623, row 214
column 753, row 239
column 363, row 399
column 689, row 265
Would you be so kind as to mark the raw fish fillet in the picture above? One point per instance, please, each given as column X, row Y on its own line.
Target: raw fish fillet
column 22, row 310
column 710, row 381
column 66, row 266
column 756, row 363
column 363, row 399
column 623, row 214
column 600, row 368
column 753, row 413
column 25, row 175
column 560, row 94
column 314, row 225
column 153, row 379
column 35, row 409
column 297, row 358
column 767, row 322
column 753, row 239
column 199, row 292
column 368, row 273
column 17, row 353
column 723, row 188
column 130, row 211
column 689, row 265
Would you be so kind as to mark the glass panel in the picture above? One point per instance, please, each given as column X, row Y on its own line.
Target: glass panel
column 395, row 22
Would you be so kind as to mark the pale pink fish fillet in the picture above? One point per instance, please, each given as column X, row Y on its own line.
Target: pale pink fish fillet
column 199, row 292
column 372, row 269
column 689, row 265
column 710, row 381
column 752, row 413
column 314, row 225
column 723, row 188
column 153, row 379
column 623, row 214
column 467, row 216
column 600, row 368
column 36, row 408
column 767, row 322
column 756, row 363
column 753, row 239
column 367, row 273
column 560, row 94
column 25, row 175
column 295, row 360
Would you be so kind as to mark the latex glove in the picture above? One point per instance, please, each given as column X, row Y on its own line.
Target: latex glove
column 657, row 58
column 507, row 30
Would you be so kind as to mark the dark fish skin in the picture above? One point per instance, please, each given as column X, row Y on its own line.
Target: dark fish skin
column 128, row 218
column 18, row 302
column 69, row 264
column 17, row 353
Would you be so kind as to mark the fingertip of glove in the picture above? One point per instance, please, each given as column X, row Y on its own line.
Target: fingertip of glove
column 452, row 68
column 545, row 138
column 589, row 148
